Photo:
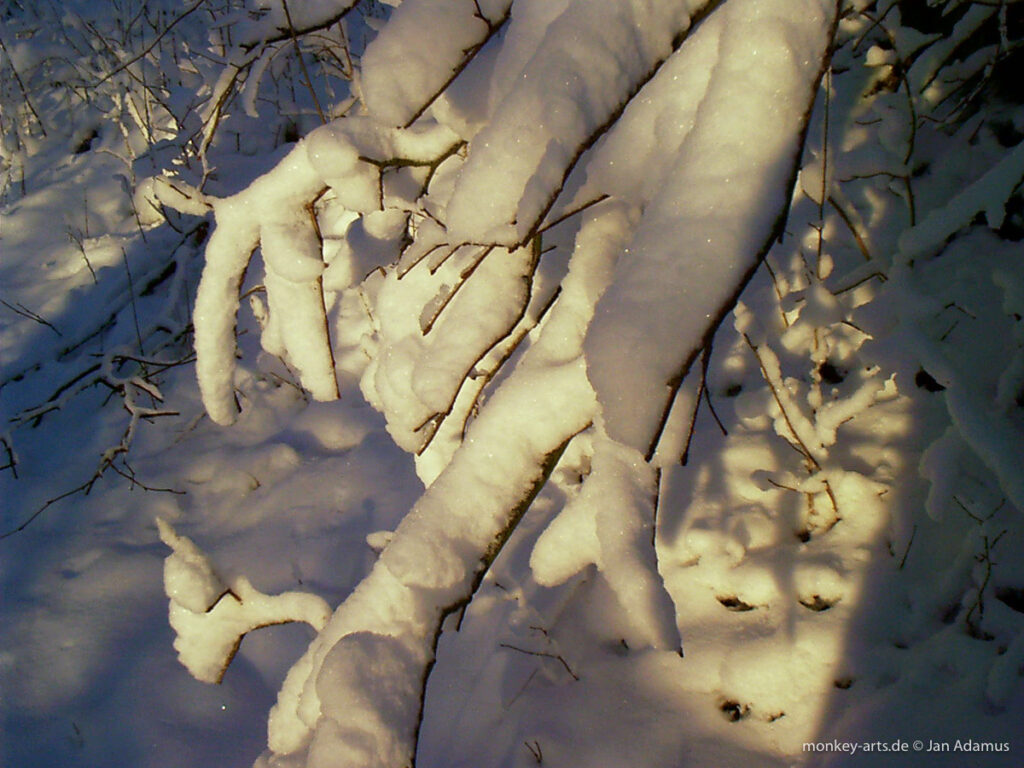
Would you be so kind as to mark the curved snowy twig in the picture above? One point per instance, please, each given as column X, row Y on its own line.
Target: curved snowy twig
column 277, row 199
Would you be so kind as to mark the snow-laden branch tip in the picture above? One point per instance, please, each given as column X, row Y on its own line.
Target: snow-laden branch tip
column 210, row 617
column 267, row 211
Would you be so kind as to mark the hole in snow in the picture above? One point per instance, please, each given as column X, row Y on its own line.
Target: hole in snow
column 927, row 382
column 980, row 634
column 950, row 613
column 85, row 144
column 831, row 373
column 1011, row 597
column 817, row 603
column 1013, row 222
column 734, row 711
column 733, row 603
column 843, row 683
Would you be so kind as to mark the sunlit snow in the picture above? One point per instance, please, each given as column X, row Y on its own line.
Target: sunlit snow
column 472, row 383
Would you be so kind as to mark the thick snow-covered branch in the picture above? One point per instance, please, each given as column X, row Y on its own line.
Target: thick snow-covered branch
column 701, row 239
column 590, row 62
column 425, row 46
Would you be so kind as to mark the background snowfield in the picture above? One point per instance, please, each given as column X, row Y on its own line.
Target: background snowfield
column 818, row 538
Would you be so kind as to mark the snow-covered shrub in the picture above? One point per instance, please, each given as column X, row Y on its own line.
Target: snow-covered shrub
column 539, row 238
column 538, row 215
column 525, row 233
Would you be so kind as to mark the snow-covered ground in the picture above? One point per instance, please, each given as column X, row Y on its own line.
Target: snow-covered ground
column 811, row 555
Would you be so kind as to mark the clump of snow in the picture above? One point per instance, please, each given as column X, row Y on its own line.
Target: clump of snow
column 336, row 160
column 189, row 579
column 369, row 687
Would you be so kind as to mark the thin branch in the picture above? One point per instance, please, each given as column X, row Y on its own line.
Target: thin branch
column 84, row 487
column 131, row 301
column 684, row 458
column 906, row 552
column 570, row 212
column 106, row 462
column 797, row 441
column 848, row 221
column 515, row 342
column 437, row 419
column 24, row 311
column 714, row 413
column 464, row 278
column 542, row 654
column 282, row 34
column 302, row 63
column 21, row 87
column 827, row 79
column 12, row 460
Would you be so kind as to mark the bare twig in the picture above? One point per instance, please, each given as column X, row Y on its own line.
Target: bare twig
column 107, row 460
column 131, row 297
column 535, row 750
column 714, row 413
column 21, row 87
column 12, row 460
column 24, row 311
column 76, row 238
column 906, row 552
column 302, row 63
column 848, row 221
column 813, row 464
column 543, row 654
column 285, row 34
